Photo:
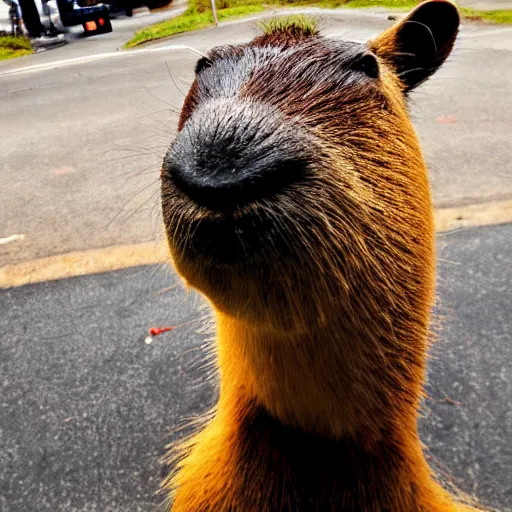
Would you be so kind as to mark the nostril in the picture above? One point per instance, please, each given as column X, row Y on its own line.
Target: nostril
column 211, row 192
column 231, row 153
column 233, row 187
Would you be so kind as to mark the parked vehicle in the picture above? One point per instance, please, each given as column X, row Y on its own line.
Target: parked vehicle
column 95, row 19
column 38, row 18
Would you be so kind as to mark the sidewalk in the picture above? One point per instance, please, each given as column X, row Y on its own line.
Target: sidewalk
column 486, row 5
column 87, row 405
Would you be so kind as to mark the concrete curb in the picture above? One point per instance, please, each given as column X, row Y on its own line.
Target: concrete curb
column 125, row 256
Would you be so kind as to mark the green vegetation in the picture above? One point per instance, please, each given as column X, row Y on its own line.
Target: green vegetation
column 199, row 15
column 388, row 4
column 503, row 17
column 189, row 21
column 307, row 25
column 205, row 5
column 11, row 47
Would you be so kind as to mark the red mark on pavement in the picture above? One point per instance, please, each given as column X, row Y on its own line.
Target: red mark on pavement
column 155, row 331
column 446, row 119
column 62, row 171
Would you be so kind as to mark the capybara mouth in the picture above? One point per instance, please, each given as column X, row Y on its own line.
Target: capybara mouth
column 218, row 239
column 248, row 261
column 221, row 195
column 244, row 237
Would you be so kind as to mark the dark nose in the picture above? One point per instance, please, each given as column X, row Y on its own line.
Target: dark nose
column 231, row 154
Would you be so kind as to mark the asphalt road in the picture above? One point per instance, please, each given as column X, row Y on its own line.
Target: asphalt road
column 87, row 406
column 82, row 142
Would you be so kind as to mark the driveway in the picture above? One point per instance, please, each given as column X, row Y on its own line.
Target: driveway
column 87, row 407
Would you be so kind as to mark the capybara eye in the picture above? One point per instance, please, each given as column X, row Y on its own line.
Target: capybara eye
column 202, row 63
column 367, row 64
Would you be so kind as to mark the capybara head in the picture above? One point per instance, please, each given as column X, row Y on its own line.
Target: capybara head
column 295, row 191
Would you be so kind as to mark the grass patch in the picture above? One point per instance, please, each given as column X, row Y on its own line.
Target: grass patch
column 333, row 4
column 304, row 24
column 388, row 4
column 187, row 22
column 501, row 17
column 11, row 47
column 205, row 5
column 198, row 14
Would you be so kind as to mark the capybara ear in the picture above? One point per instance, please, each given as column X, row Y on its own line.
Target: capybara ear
column 417, row 45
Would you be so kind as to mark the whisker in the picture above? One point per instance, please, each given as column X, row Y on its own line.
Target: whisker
column 428, row 28
column 153, row 113
column 403, row 73
column 152, row 184
column 174, row 81
column 144, row 203
column 172, row 107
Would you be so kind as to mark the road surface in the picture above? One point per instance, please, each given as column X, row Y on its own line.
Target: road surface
column 82, row 142
column 87, row 406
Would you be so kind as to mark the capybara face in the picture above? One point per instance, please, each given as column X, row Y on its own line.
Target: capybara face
column 295, row 188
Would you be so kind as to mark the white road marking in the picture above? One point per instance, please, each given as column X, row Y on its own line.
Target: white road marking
column 101, row 56
column 467, row 32
column 12, row 238
column 349, row 13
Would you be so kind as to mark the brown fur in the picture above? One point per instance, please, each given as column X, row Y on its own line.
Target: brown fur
column 323, row 325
